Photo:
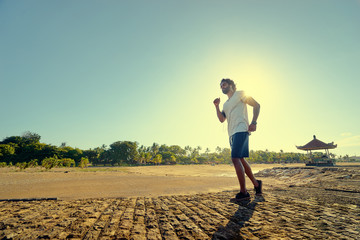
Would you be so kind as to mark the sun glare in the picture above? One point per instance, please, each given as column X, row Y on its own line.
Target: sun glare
column 256, row 78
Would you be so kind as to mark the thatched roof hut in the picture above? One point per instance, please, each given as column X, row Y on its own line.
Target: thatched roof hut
column 316, row 144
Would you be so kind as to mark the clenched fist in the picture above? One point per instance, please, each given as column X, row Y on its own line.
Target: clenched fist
column 217, row 102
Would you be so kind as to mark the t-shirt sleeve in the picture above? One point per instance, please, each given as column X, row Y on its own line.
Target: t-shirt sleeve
column 242, row 96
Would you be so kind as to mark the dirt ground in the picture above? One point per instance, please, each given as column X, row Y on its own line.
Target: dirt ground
column 298, row 203
column 74, row 183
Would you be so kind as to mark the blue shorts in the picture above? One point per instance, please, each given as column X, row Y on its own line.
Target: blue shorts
column 239, row 143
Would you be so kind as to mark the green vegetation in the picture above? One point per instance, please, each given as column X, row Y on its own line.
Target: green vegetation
column 26, row 151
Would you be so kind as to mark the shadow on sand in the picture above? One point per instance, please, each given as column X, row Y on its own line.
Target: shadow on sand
column 242, row 215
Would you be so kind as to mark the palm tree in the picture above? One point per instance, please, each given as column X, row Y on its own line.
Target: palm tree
column 155, row 149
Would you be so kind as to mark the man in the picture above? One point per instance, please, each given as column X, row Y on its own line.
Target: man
column 235, row 112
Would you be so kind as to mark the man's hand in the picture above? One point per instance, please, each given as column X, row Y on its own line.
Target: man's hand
column 220, row 115
column 252, row 128
column 217, row 102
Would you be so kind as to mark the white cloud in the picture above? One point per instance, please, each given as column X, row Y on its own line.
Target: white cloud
column 346, row 134
column 350, row 141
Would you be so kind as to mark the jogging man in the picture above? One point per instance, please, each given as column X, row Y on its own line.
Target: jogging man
column 235, row 112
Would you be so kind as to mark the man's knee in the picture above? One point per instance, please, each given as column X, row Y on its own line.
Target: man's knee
column 237, row 162
column 242, row 160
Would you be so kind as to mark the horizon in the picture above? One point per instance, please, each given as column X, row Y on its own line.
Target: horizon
column 201, row 151
column 90, row 73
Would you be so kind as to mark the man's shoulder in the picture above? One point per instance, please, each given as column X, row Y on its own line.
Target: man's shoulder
column 241, row 95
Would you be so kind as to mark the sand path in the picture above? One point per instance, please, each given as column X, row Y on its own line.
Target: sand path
column 70, row 184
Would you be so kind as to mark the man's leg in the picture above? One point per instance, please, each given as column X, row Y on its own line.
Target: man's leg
column 240, row 174
column 249, row 172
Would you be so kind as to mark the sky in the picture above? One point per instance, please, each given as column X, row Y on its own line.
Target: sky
column 89, row 72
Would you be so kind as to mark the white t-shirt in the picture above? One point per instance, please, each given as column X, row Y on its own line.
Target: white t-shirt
column 236, row 113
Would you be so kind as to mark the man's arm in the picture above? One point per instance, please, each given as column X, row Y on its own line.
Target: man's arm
column 256, row 111
column 220, row 115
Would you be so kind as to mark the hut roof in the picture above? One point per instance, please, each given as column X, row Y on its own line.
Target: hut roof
column 316, row 144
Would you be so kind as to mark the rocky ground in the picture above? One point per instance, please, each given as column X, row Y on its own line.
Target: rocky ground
column 298, row 203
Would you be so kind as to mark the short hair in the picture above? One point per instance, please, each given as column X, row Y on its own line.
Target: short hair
column 229, row 81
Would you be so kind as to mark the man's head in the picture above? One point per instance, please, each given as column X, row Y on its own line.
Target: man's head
column 226, row 85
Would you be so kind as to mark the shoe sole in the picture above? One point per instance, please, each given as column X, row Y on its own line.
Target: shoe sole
column 239, row 200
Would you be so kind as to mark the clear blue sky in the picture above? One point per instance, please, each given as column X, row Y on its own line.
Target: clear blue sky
column 94, row 72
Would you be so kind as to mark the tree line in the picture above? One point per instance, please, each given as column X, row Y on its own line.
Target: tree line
column 27, row 151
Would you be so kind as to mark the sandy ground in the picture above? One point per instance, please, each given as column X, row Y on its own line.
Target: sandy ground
column 70, row 184
column 187, row 202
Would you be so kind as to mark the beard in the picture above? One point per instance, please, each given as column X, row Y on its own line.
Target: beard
column 226, row 90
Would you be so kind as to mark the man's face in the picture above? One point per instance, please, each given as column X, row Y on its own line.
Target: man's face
column 225, row 87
